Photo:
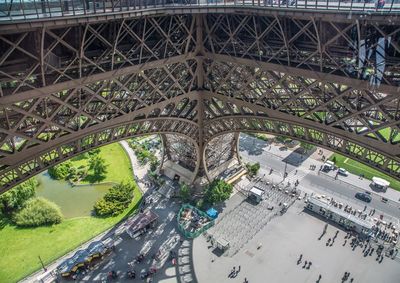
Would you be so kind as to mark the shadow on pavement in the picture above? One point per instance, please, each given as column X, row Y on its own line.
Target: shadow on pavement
column 252, row 145
column 298, row 156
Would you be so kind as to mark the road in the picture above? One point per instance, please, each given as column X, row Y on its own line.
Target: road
column 255, row 150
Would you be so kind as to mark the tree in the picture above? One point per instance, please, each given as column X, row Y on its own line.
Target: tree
column 306, row 146
column 184, row 192
column 60, row 171
column 94, row 152
column 38, row 212
column 98, row 165
column 14, row 199
column 154, row 163
column 218, row 191
column 253, row 168
column 115, row 200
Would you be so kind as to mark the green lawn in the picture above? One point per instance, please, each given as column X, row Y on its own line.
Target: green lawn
column 358, row 168
column 20, row 248
column 118, row 165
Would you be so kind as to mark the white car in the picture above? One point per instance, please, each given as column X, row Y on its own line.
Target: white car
column 343, row 172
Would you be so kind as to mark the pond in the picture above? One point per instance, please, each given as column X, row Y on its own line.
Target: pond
column 74, row 201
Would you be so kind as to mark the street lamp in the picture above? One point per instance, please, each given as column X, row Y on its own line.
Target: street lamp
column 44, row 268
column 285, row 174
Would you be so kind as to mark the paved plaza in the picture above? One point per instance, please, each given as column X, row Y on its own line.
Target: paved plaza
column 282, row 241
column 245, row 220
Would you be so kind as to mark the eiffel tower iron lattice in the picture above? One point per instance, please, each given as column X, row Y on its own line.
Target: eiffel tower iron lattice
column 198, row 80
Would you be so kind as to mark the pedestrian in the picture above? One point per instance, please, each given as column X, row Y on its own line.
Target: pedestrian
column 239, row 268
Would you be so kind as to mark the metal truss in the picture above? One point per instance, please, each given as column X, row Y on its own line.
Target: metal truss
column 198, row 79
column 356, row 49
column 181, row 150
column 219, row 150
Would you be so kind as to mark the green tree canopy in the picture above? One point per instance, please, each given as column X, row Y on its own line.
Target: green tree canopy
column 218, row 191
column 60, row 171
column 115, row 200
column 98, row 165
column 253, row 168
column 17, row 196
column 94, row 152
column 306, row 146
column 184, row 192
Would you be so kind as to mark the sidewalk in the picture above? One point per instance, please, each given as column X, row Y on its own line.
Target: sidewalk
column 139, row 172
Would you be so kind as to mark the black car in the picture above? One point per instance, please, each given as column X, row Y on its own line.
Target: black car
column 363, row 197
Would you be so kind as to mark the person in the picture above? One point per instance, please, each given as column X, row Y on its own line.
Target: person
column 380, row 4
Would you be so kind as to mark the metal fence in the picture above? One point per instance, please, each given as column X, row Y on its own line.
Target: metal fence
column 36, row 9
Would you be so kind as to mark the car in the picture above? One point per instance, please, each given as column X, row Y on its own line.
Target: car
column 343, row 172
column 328, row 165
column 363, row 197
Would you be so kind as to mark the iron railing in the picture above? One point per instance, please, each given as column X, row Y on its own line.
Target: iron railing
column 13, row 10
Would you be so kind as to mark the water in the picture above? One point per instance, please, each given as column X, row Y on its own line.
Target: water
column 73, row 201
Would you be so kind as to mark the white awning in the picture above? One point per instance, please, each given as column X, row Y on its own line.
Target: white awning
column 380, row 182
column 256, row 191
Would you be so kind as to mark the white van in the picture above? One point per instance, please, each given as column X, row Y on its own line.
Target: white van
column 329, row 165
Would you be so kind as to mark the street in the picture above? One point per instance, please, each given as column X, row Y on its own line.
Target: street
column 270, row 156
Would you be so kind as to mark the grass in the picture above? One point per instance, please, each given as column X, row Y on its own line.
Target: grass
column 358, row 168
column 20, row 248
column 118, row 165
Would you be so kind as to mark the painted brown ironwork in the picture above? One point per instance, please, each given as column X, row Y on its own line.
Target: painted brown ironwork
column 69, row 88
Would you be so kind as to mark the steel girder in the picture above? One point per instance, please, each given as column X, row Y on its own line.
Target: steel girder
column 68, row 89
column 364, row 50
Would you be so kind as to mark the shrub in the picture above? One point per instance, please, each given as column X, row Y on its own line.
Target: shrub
column 218, row 191
column 115, row 201
column 38, row 212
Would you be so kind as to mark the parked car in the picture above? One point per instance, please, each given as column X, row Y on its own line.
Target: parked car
column 328, row 165
column 343, row 172
column 364, row 197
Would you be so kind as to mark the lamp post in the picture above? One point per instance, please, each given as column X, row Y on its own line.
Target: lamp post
column 44, row 268
column 284, row 174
